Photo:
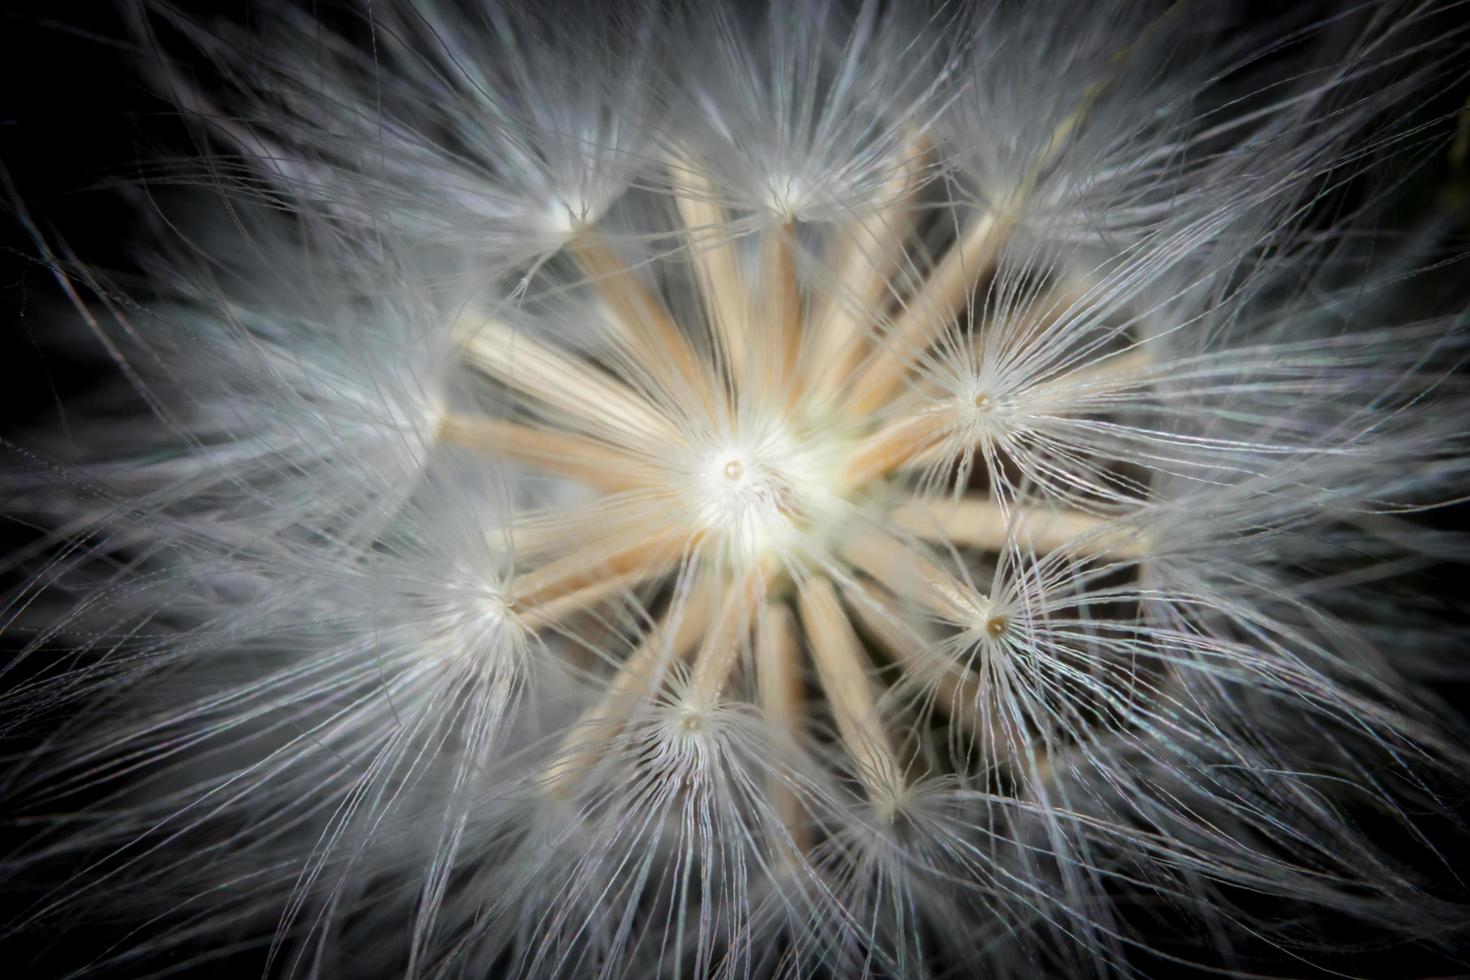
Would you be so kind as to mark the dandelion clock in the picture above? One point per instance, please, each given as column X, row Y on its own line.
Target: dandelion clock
column 711, row 490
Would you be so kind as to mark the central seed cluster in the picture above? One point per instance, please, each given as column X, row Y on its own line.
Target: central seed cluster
column 756, row 501
column 765, row 483
column 772, row 492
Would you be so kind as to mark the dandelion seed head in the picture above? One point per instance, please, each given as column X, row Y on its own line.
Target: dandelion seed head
column 817, row 493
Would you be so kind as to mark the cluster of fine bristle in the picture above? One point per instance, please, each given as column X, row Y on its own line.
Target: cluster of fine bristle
column 829, row 490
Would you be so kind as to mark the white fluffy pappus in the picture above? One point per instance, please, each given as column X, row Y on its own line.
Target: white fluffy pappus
column 816, row 489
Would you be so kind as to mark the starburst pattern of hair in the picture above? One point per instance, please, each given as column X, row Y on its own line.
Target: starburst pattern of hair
column 807, row 489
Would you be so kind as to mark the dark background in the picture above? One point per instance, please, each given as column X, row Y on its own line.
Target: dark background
column 75, row 122
column 78, row 124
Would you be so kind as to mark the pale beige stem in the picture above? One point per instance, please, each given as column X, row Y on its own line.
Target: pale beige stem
column 595, row 565
column 896, row 444
column 720, row 651
column 673, row 637
column 843, row 673
column 905, row 572
column 929, row 311
column 589, row 461
column 1111, row 373
column 565, row 383
column 538, row 533
column 866, row 259
column 656, row 342
column 780, row 326
column 979, row 522
column 778, row 672
column 958, row 691
column 566, row 528
column 554, row 609
column 947, row 290
column 716, row 262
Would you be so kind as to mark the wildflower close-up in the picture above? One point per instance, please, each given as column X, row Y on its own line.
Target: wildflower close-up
column 676, row 488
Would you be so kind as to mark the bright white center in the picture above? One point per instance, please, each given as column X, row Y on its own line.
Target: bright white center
column 759, row 496
column 494, row 609
column 788, row 197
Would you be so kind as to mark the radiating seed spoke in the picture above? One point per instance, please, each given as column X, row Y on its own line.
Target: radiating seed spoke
column 637, row 677
column 947, row 290
column 552, row 610
column 905, row 572
column 778, row 673
column 980, row 522
column 657, row 344
column 868, row 253
column 843, row 673
column 599, row 402
column 896, row 444
column 730, row 633
column 551, row 451
column 779, row 328
column 959, row 691
column 930, row 311
column 716, row 262
column 776, row 356
column 597, row 568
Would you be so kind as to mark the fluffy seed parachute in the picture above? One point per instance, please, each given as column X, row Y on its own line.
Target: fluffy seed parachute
column 824, row 489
